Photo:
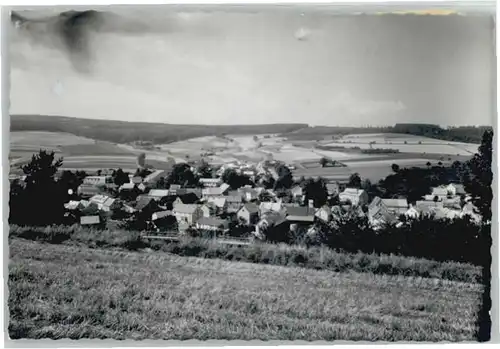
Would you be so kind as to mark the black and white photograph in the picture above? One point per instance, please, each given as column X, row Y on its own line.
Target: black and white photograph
column 250, row 172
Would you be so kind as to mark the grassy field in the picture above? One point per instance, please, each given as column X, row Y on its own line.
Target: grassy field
column 58, row 291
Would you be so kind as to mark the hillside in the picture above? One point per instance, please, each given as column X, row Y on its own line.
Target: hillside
column 466, row 134
column 124, row 132
column 155, row 295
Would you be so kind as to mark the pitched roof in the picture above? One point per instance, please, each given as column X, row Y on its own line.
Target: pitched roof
column 154, row 175
column 440, row 191
column 127, row 186
column 234, row 198
column 214, row 222
column 161, row 214
column 142, row 202
column 270, row 206
column 103, row 200
column 353, row 191
column 273, row 218
column 218, row 201
column 395, row 203
column 158, row 192
column 185, row 208
column 300, row 211
column 251, row 207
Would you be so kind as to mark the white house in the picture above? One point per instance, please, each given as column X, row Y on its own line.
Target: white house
column 98, row 180
column 188, row 214
column 324, row 213
column 412, row 213
column 356, row 197
column 210, row 182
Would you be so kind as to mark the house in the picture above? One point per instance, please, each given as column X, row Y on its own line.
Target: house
column 324, row 213
column 452, row 203
column 395, row 206
column 301, row 214
column 177, row 201
column 73, row 205
column 172, row 190
column 266, row 207
column 145, row 202
column 213, row 224
column 272, row 223
column 297, row 192
column 210, row 182
column 98, row 180
column 456, row 189
column 412, row 213
column 430, row 197
column 357, row 197
column 88, row 190
column 188, row 214
column 427, row 208
column 220, row 202
column 249, row 213
column 104, row 202
column 234, row 202
column 210, row 192
column 249, row 193
column 333, row 189
column 152, row 178
column 90, row 220
column 158, row 194
column 209, row 209
column 136, row 179
column 189, row 198
column 470, row 210
column 443, row 212
column 126, row 186
column 442, row 192
column 378, row 215
column 160, row 214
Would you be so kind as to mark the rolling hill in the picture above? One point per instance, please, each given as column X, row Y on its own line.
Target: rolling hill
column 125, row 132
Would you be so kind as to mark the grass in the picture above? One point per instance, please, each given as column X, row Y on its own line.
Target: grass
column 318, row 258
column 58, row 291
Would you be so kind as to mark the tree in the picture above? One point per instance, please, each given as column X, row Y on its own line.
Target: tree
column 354, row 181
column 141, row 160
column 204, row 170
column 285, row 178
column 323, row 162
column 395, row 168
column 479, row 176
column 234, row 179
column 181, row 174
column 42, row 198
column 428, row 164
column 440, row 163
column 316, row 190
column 120, row 177
column 161, row 183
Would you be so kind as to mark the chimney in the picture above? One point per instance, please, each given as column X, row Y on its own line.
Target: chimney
column 311, row 203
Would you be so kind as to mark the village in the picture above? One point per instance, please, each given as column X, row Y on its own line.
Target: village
column 249, row 212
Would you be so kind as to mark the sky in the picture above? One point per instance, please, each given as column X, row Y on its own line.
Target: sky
column 257, row 67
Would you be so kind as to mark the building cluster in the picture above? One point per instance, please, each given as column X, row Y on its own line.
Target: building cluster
column 214, row 206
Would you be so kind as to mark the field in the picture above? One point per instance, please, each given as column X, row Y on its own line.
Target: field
column 58, row 291
column 86, row 154
column 405, row 144
column 79, row 153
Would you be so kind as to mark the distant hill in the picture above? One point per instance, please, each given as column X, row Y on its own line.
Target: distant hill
column 124, row 132
column 466, row 134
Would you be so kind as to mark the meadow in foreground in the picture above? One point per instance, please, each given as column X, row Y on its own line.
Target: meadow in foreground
column 60, row 291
